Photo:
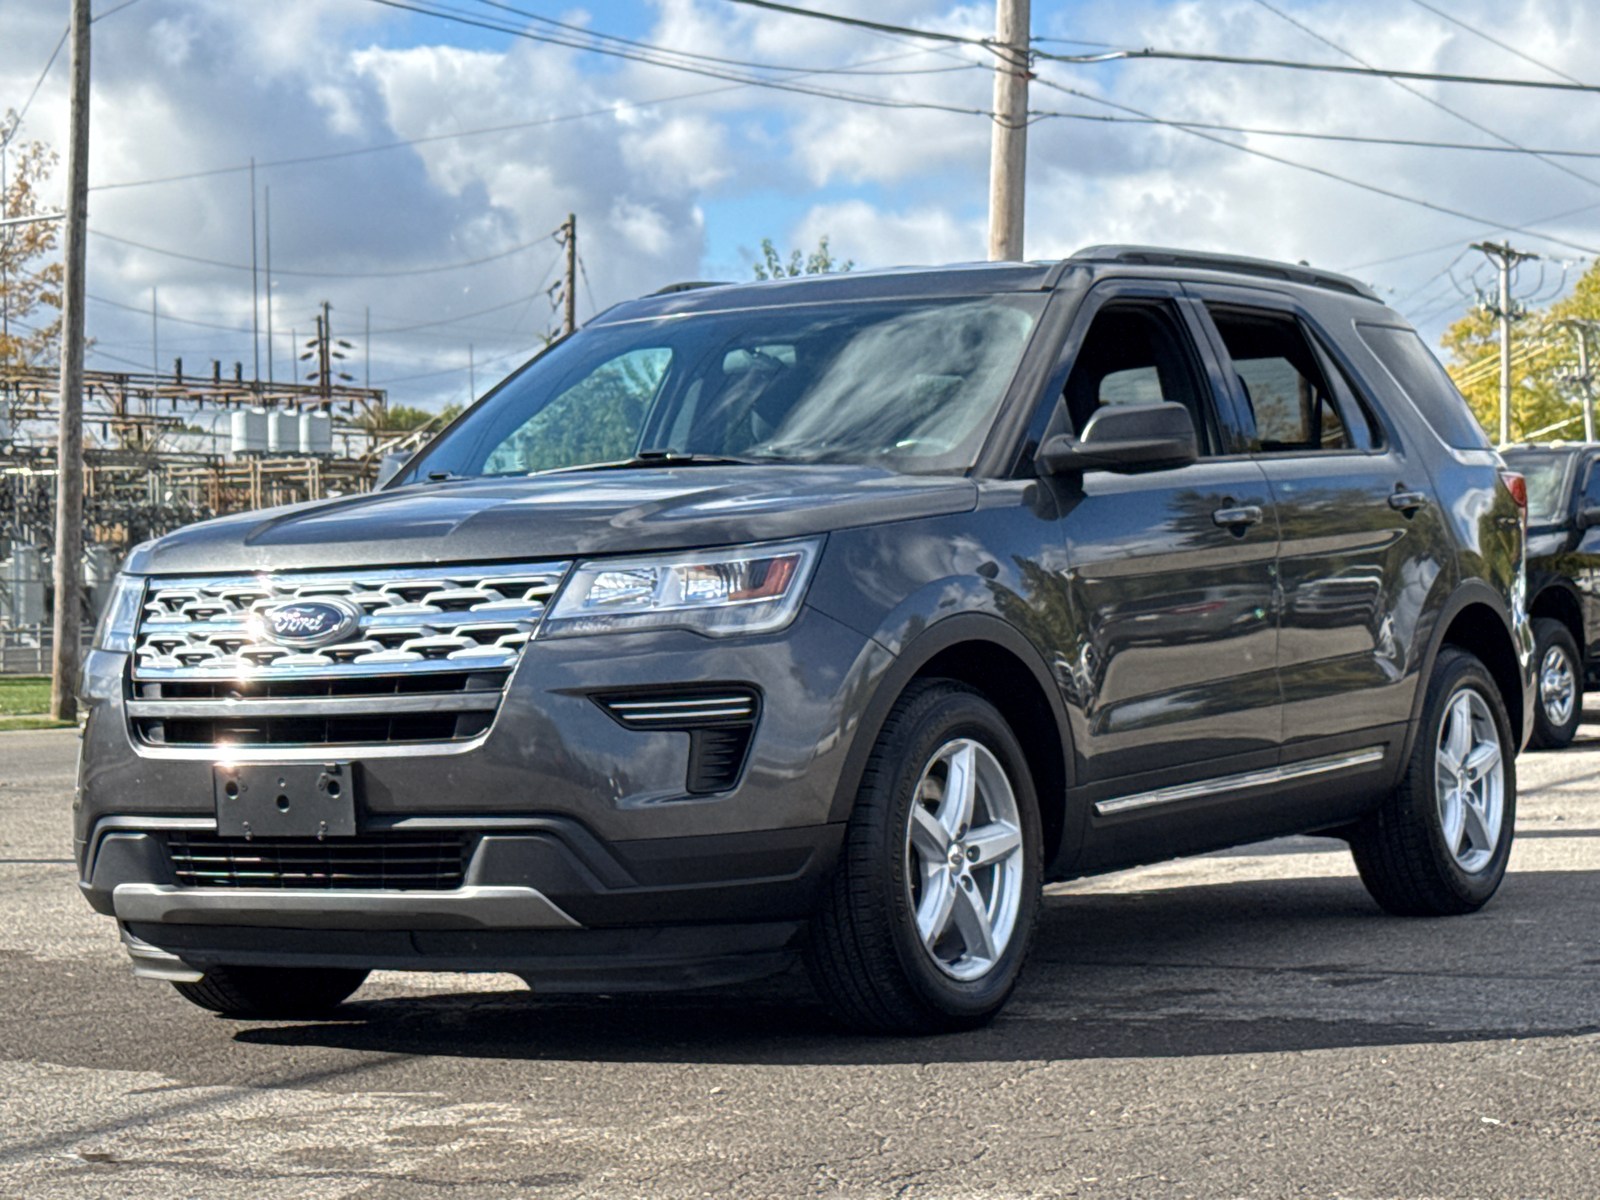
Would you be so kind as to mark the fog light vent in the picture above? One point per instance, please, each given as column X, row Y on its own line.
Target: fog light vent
column 720, row 722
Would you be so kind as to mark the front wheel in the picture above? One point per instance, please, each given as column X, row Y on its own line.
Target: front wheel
column 1438, row 844
column 931, row 910
column 267, row 992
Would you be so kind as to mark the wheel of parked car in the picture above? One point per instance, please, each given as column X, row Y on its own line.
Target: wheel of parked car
column 1555, row 723
column 931, row 910
column 1438, row 844
column 272, row 991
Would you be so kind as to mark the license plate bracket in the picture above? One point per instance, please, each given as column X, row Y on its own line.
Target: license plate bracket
column 285, row 799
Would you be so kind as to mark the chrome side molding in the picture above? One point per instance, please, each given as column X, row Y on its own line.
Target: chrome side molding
column 1265, row 777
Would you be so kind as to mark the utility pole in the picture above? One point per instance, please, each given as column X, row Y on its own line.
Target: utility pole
column 569, row 238
column 472, row 377
column 1582, row 378
column 1008, row 147
column 155, row 345
column 366, row 349
column 69, row 446
column 1505, row 311
column 266, row 203
column 255, row 318
column 325, row 350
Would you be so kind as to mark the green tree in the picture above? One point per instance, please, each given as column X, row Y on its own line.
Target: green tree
column 28, row 289
column 819, row 262
column 1543, row 350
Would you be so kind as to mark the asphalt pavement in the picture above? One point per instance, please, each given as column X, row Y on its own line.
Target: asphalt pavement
column 1242, row 1024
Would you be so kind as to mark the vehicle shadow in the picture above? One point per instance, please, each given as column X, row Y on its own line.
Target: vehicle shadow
column 1250, row 967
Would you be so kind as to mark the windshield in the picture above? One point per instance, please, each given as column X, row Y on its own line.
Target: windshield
column 1546, row 476
column 910, row 385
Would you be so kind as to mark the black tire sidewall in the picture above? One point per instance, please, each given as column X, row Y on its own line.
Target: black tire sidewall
column 1548, row 633
column 1459, row 671
column 958, row 714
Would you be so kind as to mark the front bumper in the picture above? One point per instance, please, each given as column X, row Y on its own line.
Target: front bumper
column 581, row 840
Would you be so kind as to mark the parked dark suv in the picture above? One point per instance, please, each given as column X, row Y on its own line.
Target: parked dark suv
column 827, row 617
column 1563, row 557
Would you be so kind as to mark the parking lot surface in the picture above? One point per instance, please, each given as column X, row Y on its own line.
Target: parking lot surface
column 1243, row 1024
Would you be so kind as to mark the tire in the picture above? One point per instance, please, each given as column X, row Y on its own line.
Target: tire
column 1419, row 853
column 869, row 961
column 1560, row 669
column 268, row 992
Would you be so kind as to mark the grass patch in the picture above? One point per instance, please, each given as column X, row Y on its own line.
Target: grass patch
column 31, row 722
column 24, row 695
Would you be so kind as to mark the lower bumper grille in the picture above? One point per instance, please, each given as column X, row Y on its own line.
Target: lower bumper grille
column 418, row 862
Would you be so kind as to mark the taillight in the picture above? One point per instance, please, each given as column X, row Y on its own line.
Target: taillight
column 1518, row 487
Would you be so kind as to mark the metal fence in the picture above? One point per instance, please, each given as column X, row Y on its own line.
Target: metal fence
column 26, row 650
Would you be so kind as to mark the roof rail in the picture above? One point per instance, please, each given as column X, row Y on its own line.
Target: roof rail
column 689, row 286
column 1197, row 260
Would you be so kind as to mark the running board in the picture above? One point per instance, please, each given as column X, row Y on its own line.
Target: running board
column 1234, row 783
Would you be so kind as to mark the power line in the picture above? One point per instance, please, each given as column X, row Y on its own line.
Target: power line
column 303, row 159
column 1236, row 60
column 860, row 23
column 749, row 80
column 594, row 34
column 1324, row 172
column 1442, row 107
column 1509, row 49
column 1415, row 143
column 215, row 262
column 38, row 83
column 402, row 143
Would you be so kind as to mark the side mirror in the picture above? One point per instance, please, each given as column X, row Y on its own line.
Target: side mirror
column 1588, row 515
column 1125, row 438
column 388, row 467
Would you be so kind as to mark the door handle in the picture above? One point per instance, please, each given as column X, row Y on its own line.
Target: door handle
column 1238, row 519
column 1407, row 502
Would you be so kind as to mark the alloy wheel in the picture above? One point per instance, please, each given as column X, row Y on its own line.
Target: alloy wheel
column 1558, row 686
column 964, row 862
column 1469, row 780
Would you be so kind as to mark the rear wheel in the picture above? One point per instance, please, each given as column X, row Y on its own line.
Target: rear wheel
column 1560, row 707
column 272, row 991
column 931, row 910
column 1438, row 844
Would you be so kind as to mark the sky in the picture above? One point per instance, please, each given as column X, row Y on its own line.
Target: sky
column 443, row 246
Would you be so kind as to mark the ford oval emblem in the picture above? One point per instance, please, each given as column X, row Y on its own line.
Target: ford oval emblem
column 308, row 624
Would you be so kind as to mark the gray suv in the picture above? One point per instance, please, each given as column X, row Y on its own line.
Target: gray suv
column 826, row 618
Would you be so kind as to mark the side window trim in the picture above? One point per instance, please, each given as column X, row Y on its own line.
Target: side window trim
column 1347, row 395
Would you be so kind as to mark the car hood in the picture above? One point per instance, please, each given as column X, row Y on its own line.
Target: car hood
column 554, row 516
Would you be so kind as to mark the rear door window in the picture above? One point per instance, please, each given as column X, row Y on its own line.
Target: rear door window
column 1418, row 374
column 1284, row 385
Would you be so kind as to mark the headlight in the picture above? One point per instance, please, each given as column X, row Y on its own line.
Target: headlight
column 744, row 589
column 121, row 616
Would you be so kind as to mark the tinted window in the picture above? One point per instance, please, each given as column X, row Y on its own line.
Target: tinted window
column 1429, row 386
column 1591, row 490
column 1289, row 398
column 911, row 386
column 1546, row 476
column 1134, row 354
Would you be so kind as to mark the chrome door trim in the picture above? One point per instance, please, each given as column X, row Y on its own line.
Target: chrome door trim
column 1233, row 783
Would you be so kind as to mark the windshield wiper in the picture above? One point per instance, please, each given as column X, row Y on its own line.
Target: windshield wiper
column 647, row 459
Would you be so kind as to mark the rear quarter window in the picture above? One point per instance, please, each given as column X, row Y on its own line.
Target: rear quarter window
column 1417, row 373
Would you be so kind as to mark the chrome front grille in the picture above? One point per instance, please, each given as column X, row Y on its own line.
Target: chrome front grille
column 427, row 660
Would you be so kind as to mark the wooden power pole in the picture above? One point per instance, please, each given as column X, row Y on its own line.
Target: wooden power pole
column 1008, row 150
column 569, row 235
column 69, row 446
